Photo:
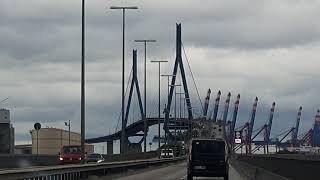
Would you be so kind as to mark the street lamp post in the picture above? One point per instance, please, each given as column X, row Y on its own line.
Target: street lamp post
column 175, row 110
column 180, row 107
column 83, row 82
column 123, row 135
column 192, row 126
column 69, row 126
column 159, row 105
column 168, row 76
column 145, row 90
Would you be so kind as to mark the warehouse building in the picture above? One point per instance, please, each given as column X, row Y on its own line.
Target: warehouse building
column 6, row 133
column 49, row 141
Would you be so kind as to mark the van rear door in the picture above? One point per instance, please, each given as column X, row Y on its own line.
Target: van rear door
column 208, row 153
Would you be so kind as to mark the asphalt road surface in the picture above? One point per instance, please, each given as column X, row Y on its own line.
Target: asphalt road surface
column 168, row 172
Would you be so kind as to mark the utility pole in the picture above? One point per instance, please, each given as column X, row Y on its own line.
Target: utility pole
column 159, row 100
column 145, row 129
column 123, row 141
column 83, row 83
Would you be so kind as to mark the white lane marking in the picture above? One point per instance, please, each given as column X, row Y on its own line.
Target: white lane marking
column 183, row 177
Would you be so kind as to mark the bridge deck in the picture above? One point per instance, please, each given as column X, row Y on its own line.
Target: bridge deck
column 173, row 172
column 136, row 127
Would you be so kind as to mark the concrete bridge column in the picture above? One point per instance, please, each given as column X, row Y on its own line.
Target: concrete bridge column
column 110, row 147
column 135, row 148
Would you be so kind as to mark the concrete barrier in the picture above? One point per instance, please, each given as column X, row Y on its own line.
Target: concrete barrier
column 296, row 167
column 251, row 172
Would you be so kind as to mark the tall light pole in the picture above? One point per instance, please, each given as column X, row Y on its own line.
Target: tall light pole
column 168, row 76
column 145, row 90
column 190, row 127
column 123, row 134
column 69, row 125
column 175, row 110
column 180, row 107
column 159, row 105
column 83, row 82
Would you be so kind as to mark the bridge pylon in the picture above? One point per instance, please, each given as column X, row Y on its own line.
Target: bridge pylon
column 124, row 142
column 178, row 63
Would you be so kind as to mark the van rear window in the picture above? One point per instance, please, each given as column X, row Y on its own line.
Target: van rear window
column 167, row 151
column 208, row 147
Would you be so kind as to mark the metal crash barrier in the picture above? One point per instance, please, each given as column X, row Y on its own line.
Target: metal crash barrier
column 80, row 172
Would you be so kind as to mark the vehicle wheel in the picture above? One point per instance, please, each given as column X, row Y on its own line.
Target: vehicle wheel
column 189, row 177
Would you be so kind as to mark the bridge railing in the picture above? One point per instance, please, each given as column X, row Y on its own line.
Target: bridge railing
column 80, row 172
column 26, row 160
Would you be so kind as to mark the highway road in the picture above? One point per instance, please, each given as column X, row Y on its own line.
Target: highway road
column 168, row 172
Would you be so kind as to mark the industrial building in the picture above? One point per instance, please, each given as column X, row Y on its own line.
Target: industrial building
column 6, row 133
column 51, row 140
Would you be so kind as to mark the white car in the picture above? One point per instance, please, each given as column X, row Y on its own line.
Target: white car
column 166, row 153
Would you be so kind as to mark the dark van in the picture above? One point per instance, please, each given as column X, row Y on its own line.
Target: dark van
column 208, row 158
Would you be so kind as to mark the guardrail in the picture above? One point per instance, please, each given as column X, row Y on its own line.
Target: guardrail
column 80, row 172
column 26, row 160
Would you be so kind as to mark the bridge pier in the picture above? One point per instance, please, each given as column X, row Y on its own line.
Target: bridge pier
column 110, row 147
column 134, row 148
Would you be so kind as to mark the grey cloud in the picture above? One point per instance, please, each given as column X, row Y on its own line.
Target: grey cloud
column 265, row 49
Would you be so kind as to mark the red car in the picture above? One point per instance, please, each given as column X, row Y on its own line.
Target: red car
column 70, row 155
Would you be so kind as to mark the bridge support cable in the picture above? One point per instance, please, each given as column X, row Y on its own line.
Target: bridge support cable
column 192, row 76
column 134, row 82
column 125, row 94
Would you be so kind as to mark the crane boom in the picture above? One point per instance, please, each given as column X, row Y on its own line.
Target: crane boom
column 4, row 100
column 206, row 104
column 250, row 129
column 270, row 122
column 216, row 107
column 234, row 118
column 316, row 130
column 253, row 116
column 296, row 129
column 226, row 108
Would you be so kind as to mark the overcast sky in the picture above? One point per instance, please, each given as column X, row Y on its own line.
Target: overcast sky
column 269, row 49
